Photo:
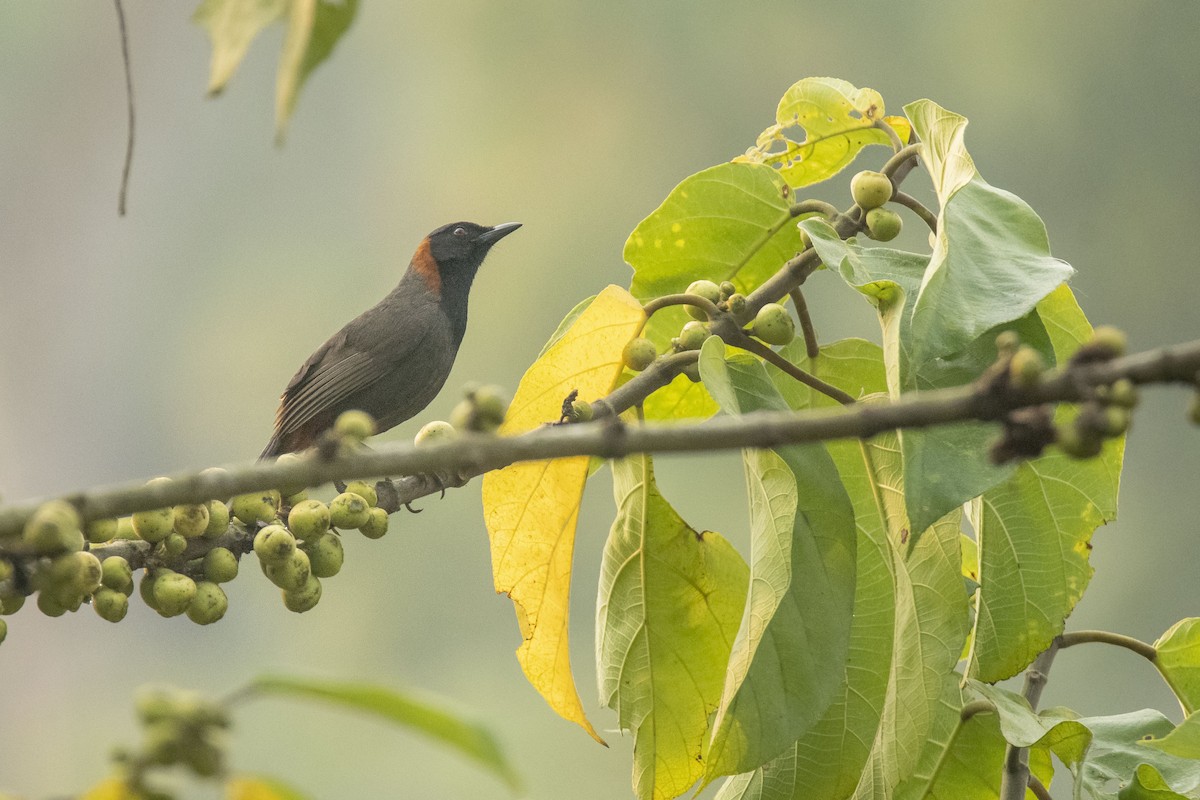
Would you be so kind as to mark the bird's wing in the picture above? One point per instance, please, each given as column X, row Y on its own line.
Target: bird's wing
column 336, row 371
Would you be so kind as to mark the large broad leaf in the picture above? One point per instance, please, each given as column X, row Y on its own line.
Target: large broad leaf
column 838, row 120
column 1178, row 659
column 1034, row 531
column 951, row 459
column 790, row 653
column 531, row 508
column 1119, row 764
column 1184, row 741
column 313, row 29
column 669, row 605
column 730, row 222
column 991, row 261
column 426, row 715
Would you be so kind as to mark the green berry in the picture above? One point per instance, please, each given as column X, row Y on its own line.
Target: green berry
column 220, row 565
column 870, row 189
column 295, row 499
column 209, row 604
column 693, row 335
column 191, row 519
column 1026, row 368
column 99, row 531
column 218, row 519
column 1194, row 408
column 883, row 224
column 205, row 758
column 736, row 304
column 355, row 425
column 727, row 289
column 54, row 528
column 11, row 603
column 774, row 325
column 146, row 587
column 436, row 432
column 1123, row 393
column 110, row 604
column 1007, row 342
column 162, row 742
column 639, row 353
column 116, row 575
column 581, row 411
column 274, row 543
column 173, row 593
column 376, row 526
column 153, row 526
column 74, row 574
column 325, row 554
column 215, row 473
column 309, row 519
column 1079, row 443
column 125, row 529
column 706, row 289
column 1111, row 339
column 3, row 631
column 364, row 490
column 348, row 511
column 1115, row 421
column 256, row 506
column 491, row 405
column 173, row 545
column 303, row 598
column 50, row 605
column 289, row 574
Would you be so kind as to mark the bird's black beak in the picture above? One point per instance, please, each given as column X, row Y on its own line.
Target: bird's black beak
column 493, row 235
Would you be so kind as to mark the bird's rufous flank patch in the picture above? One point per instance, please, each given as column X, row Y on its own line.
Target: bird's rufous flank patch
column 426, row 266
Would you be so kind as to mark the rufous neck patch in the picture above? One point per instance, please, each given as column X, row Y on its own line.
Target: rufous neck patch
column 425, row 265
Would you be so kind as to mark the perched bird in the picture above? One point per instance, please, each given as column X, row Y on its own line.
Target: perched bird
column 393, row 359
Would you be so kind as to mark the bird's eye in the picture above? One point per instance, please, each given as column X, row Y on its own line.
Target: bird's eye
column 460, row 231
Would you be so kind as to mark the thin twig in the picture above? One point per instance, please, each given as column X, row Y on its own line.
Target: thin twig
column 1038, row 788
column 472, row 455
column 811, row 346
column 808, row 379
column 129, row 105
column 1015, row 777
column 919, row 208
column 897, row 145
column 1146, row 651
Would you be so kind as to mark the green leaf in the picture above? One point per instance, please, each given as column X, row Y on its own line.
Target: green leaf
column 1119, row 755
column 1034, row 530
column 730, row 222
column 669, row 605
column 1058, row 729
column 424, row 714
column 232, row 25
column 790, row 653
column 1178, row 659
column 838, row 121
column 991, row 262
column 1184, row 741
column 313, row 28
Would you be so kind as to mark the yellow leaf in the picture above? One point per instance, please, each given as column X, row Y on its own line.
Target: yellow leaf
column 257, row 787
column 110, row 789
column 531, row 508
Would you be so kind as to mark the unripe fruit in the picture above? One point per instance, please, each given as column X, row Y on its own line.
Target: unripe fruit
column 256, row 507
column 295, row 498
column 1007, row 343
column 736, row 304
column 325, row 554
column 774, row 325
column 146, row 587
column 1115, row 421
column 54, row 528
column 364, row 490
column 218, row 519
column 491, row 405
column 215, row 472
column 125, row 528
column 3, row 631
column 1123, row 393
column 1194, row 409
column 1079, row 443
column 173, row 545
column 883, row 224
column 50, row 605
column 99, row 531
column 284, row 460
column 349, row 511
column 1111, row 339
column 639, row 353
column 274, row 543
column 153, row 526
column 110, row 604
column 11, row 604
column 173, row 593
column 115, row 574
column 693, row 335
column 376, row 526
column 191, row 520
column 1026, row 368
column 309, row 519
column 431, row 433
column 727, row 289
column 706, row 289
column 209, row 604
column 74, row 574
column 870, row 189
column 582, row 411
column 355, row 425
column 203, row 757
column 290, row 574
column 304, row 598
column 220, row 565
column 162, row 742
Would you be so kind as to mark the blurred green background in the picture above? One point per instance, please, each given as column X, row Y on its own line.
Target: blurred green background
column 159, row 342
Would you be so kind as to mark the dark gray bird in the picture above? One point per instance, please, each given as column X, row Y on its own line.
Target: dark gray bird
column 393, row 359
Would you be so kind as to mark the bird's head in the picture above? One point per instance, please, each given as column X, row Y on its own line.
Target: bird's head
column 451, row 255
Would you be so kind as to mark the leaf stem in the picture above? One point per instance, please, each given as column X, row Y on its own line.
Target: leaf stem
column 897, row 145
column 916, row 206
column 808, row 379
column 811, row 346
column 681, row 299
column 901, row 157
column 1146, row 651
column 1038, row 788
